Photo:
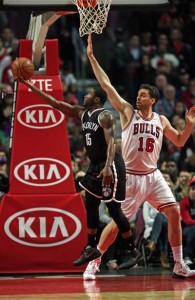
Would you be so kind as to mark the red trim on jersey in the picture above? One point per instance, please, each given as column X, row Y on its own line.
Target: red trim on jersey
column 162, row 206
column 133, row 172
column 129, row 121
column 160, row 118
column 146, row 119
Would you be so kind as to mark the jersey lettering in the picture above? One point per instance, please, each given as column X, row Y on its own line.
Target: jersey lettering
column 142, row 142
column 149, row 145
column 146, row 128
column 88, row 139
column 90, row 125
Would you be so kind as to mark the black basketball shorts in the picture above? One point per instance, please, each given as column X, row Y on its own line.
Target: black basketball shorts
column 117, row 189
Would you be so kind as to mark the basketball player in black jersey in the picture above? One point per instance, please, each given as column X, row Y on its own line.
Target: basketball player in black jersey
column 106, row 177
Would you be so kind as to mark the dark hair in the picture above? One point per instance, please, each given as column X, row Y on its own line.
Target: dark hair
column 99, row 92
column 153, row 91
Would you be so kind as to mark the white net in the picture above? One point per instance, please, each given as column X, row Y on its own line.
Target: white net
column 93, row 15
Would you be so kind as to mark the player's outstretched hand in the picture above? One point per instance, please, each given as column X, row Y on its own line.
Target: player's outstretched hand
column 190, row 115
column 27, row 82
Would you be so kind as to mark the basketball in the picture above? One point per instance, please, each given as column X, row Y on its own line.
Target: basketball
column 87, row 3
column 22, row 67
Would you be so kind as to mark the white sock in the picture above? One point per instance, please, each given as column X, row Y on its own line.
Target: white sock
column 177, row 253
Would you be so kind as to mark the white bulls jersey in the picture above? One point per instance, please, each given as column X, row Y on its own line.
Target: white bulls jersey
column 141, row 144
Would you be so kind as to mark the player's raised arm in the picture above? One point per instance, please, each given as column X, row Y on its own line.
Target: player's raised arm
column 67, row 109
column 116, row 100
column 179, row 138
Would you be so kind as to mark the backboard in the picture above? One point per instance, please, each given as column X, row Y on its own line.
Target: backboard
column 68, row 4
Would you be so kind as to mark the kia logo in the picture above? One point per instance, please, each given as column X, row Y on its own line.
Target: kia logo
column 42, row 171
column 40, row 116
column 42, row 224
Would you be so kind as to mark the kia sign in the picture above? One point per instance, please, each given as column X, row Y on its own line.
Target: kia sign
column 40, row 116
column 42, row 171
column 42, row 227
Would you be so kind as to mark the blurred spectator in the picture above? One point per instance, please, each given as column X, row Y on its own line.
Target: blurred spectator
column 187, row 207
column 156, row 232
column 179, row 47
column 160, row 81
column 175, row 119
column 74, row 164
column 163, row 56
column 166, row 105
column 6, row 77
column 187, row 157
column 179, row 110
column 119, row 61
column 162, row 38
column 165, row 67
column 166, row 19
column 71, row 98
column 189, row 29
column 188, row 96
column 174, row 152
column 172, row 170
column 5, row 120
column 167, row 177
column 4, row 180
column 3, row 163
column 145, row 73
column 180, row 124
column 69, row 81
column 182, row 81
column 135, row 53
column 7, row 36
column 3, row 20
column 181, row 185
column 147, row 46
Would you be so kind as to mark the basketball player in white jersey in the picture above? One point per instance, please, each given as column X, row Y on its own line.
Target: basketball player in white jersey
column 142, row 134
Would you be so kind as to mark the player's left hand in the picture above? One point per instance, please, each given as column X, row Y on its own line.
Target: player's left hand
column 107, row 175
column 190, row 115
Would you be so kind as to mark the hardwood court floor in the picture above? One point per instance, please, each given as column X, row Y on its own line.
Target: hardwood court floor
column 141, row 284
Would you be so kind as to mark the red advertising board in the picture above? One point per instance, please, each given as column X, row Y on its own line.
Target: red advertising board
column 42, row 218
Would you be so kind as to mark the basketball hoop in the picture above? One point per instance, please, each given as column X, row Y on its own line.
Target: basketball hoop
column 93, row 15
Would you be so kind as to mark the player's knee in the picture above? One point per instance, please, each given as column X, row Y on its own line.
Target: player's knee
column 113, row 226
column 172, row 212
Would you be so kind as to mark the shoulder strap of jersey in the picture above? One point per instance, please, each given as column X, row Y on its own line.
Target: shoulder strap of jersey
column 82, row 116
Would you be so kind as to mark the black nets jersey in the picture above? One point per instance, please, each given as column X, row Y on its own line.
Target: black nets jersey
column 93, row 135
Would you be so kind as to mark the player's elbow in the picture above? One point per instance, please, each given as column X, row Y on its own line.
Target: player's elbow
column 105, row 85
column 179, row 143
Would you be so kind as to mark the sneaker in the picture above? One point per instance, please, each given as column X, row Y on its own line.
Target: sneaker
column 92, row 268
column 133, row 258
column 112, row 264
column 88, row 254
column 181, row 270
column 188, row 261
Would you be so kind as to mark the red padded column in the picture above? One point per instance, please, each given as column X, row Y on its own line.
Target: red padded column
column 52, row 57
column 26, row 48
column 42, row 218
